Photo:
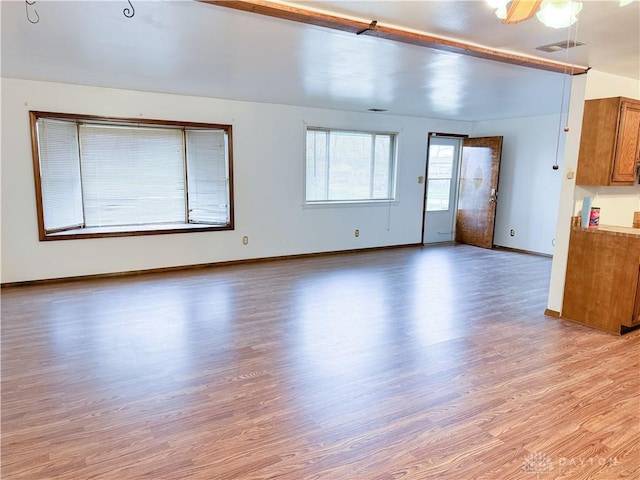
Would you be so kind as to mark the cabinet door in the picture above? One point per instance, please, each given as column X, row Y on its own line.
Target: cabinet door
column 601, row 280
column 627, row 145
column 636, row 308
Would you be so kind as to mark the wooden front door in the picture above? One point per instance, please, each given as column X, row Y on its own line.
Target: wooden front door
column 478, row 194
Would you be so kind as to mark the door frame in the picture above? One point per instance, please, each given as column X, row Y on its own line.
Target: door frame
column 430, row 135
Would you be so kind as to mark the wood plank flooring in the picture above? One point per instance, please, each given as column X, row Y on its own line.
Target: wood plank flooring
column 411, row 363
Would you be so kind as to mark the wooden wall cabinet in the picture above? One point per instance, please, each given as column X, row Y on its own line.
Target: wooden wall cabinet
column 609, row 142
column 602, row 286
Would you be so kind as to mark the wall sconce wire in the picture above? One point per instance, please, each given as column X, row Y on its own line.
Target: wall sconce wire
column 28, row 4
column 33, row 17
column 564, row 82
column 129, row 11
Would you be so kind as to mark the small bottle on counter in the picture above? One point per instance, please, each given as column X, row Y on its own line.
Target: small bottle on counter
column 594, row 217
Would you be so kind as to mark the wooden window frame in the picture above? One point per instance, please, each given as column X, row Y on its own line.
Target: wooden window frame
column 129, row 230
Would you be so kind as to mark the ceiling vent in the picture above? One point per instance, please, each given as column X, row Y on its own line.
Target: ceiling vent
column 563, row 45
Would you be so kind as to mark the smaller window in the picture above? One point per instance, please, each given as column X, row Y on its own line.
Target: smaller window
column 113, row 177
column 441, row 163
column 349, row 166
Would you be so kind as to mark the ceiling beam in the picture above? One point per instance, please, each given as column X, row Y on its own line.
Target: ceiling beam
column 373, row 28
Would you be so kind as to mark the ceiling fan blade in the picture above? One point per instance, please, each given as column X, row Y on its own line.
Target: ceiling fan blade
column 521, row 10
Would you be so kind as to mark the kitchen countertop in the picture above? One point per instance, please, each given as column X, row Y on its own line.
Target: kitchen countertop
column 612, row 230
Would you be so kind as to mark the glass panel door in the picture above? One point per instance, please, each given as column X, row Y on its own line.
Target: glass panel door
column 442, row 182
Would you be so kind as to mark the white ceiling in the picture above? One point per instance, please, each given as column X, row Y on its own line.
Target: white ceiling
column 187, row 47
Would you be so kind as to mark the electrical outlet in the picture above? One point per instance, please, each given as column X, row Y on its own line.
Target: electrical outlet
column 512, row 232
column 245, row 240
column 357, row 233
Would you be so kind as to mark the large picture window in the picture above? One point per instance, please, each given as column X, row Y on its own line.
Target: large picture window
column 106, row 177
column 349, row 166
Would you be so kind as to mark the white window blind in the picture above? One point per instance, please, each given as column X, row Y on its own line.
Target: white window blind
column 132, row 176
column 59, row 174
column 382, row 175
column 207, row 176
column 102, row 177
column 317, row 178
column 349, row 166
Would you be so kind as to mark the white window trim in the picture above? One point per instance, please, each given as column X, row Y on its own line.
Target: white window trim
column 393, row 201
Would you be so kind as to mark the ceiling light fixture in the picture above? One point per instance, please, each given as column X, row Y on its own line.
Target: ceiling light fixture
column 500, row 6
column 552, row 13
column 559, row 13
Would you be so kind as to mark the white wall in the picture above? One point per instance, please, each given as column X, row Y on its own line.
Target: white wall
column 603, row 85
column 268, row 164
column 268, row 174
column 617, row 203
column 529, row 188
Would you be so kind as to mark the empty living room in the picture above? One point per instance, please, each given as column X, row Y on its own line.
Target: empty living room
column 354, row 240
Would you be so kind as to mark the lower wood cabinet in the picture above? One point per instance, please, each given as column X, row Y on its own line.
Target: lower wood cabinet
column 602, row 286
column 636, row 310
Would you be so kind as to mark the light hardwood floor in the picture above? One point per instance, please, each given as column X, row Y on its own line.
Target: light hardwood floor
column 412, row 363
